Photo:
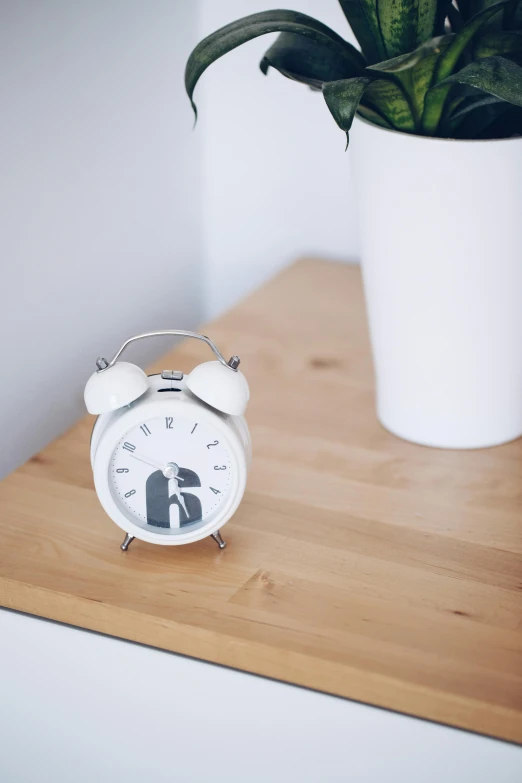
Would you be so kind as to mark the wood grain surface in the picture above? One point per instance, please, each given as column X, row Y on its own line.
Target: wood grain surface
column 358, row 564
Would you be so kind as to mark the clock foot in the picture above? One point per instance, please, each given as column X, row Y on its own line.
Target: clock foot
column 219, row 541
column 126, row 541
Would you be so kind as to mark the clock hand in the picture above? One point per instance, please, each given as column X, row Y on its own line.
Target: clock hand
column 174, row 490
column 168, row 469
column 148, row 461
column 182, row 503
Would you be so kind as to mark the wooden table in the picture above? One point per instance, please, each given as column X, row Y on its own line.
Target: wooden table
column 358, row 564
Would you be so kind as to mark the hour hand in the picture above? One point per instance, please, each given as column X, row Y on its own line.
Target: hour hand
column 148, row 461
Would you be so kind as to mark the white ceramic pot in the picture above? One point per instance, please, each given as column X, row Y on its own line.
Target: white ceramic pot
column 441, row 246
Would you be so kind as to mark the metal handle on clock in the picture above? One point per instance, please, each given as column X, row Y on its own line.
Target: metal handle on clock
column 102, row 364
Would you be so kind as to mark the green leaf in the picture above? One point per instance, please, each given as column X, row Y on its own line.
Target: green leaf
column 236, row 33
column 415, row 70
column 363, row 18
column 476, row 113
column 342, row 98
column 461, row 97
column 481, row 124
column 406, row 61
column 450, row 58
column 372, row 116
column 387, row 97
column 496, row 76
column 502, row 42
column 436, row 96
column 505, row 125
column 423, row 71
column 464, row 117
column 382, row 96
column 475, row 6
column 434, row 101
column 306, row 60
column 406, row 23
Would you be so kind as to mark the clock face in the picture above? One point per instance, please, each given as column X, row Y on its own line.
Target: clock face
column 170, row 475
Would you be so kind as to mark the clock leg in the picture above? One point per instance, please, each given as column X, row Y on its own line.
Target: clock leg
column 219, row 541
column 126, row 541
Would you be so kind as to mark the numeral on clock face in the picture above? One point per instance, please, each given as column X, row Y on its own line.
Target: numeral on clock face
column 145, row 429
column 169, row 422
column 129, row 446
column 130, row 494
column 214, row 443
column 215, row 491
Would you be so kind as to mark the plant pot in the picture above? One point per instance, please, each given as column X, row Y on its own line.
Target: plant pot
column 441, row 244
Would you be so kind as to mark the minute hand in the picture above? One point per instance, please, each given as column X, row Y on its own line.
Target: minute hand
column 148, row 461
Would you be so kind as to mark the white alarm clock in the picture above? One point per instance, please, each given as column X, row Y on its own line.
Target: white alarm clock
column 170, row 453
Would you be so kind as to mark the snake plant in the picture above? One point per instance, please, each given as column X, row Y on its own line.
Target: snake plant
column 429, row 67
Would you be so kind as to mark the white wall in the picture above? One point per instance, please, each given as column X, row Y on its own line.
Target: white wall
column 102, row 213
column 276, row 180
column 99, row 197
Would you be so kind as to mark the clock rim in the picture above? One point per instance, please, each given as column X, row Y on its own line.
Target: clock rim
column 144, row 410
